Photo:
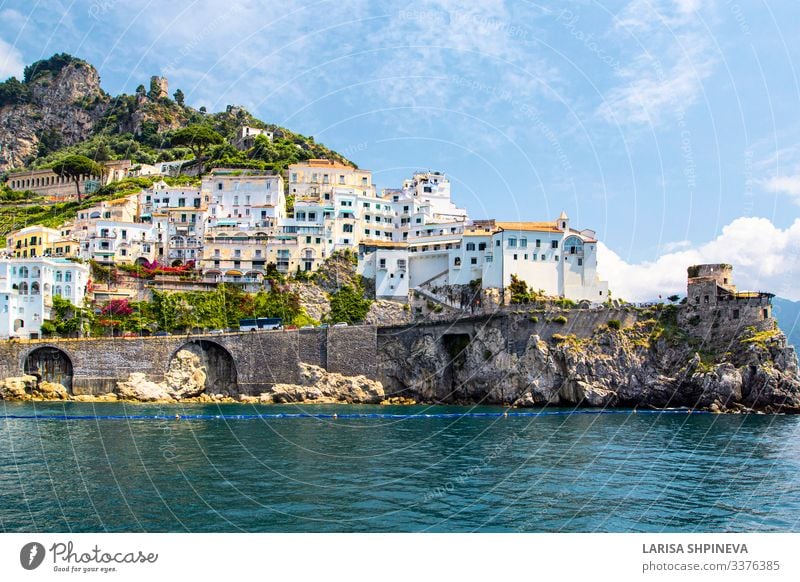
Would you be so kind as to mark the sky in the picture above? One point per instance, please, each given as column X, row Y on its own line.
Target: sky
column 670, row 127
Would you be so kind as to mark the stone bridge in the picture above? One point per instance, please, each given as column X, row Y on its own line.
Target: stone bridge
column 247, row 362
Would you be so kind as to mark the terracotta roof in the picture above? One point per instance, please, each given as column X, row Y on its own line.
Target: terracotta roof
column 529, row 226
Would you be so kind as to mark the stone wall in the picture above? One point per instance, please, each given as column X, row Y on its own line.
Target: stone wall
column 353, row 350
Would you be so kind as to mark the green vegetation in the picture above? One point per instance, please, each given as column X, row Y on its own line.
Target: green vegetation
column 614, row 324
column 68, row 320
column 198, row 138
column 560, row 319
column 348, row 304
column 13, row 92
column 752, row 336
column 51, row 66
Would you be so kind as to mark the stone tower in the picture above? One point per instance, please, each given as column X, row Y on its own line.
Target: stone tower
column 159, row 87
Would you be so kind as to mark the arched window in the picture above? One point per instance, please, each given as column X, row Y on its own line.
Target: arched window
column 57, row 291
column 35, row 290
column 59, row 276
column 35, row 273
column 23, row 272
column 67, row 290
column 68, row 276
column 23, row 288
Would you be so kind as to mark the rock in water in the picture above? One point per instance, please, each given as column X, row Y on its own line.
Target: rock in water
column 137, row 387
column 17, row 387
column 51, row 391
column 317, row 385
column 186, row 376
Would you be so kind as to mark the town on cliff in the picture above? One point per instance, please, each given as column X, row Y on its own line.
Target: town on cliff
column 191, row 227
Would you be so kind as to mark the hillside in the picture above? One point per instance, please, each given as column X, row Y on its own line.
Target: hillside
column 59, row 108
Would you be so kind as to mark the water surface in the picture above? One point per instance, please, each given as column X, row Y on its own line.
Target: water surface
column 564, row 472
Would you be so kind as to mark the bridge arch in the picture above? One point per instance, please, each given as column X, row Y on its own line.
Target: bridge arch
column 50, row 364
column 219, row 364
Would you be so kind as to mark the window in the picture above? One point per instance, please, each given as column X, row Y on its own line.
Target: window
column 219, row 186
column 347, row 228
column 489, row 258
column 294, row 176
column 555, row 257
column 67, row 290
column 473, row 261
column 482, row 246
column 236, row 201
column 341, row 178
column 580, row 262
column 68, row 276
column 553, row 244
column 457, row 262
column 470, row 246
column 497, row 243
column 523, row 243
column 382, row 264
column 512, row 243
column 538, row 243
column 515, row 256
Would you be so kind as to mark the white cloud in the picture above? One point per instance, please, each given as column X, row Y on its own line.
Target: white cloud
column 11, row 63
column 785, row 185
column 765, row 258
column 672, row 59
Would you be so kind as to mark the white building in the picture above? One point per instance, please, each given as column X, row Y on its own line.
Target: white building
column 248, row 197
column 548, row 256
column 27, row 287
column 387, row 263
column 118, row 242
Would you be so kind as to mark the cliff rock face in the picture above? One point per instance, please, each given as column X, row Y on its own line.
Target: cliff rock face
column 612, row 368
column 67, row 104
column 318, row 386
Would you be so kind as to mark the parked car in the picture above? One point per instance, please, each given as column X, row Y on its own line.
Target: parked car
column 161, row 333
column 340, row 324
column 307, row 327
column 217, row 331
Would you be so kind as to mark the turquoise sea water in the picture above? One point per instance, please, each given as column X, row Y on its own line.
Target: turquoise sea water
column 561, row 472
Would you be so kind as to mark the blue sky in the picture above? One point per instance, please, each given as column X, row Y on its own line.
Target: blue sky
column 669, row 126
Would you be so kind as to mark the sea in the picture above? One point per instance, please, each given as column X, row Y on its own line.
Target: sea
column 117, row 467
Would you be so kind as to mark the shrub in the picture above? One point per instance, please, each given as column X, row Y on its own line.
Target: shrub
column 534, row 319
column 560, row 319
column 614, row 324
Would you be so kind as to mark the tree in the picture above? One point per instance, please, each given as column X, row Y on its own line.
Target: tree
column 202, row 109
column 348, row 305
column 141, row 91
column 179, row 97
column 74, row 167
column 197, row 138
column 518, row 290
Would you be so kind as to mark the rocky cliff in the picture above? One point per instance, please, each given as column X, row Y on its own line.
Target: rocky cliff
column 636, row 366
column 61, row 106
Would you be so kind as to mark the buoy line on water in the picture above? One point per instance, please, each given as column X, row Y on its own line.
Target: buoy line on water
column 336, row 415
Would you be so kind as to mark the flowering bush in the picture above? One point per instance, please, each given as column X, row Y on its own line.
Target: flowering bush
column 117, row 308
